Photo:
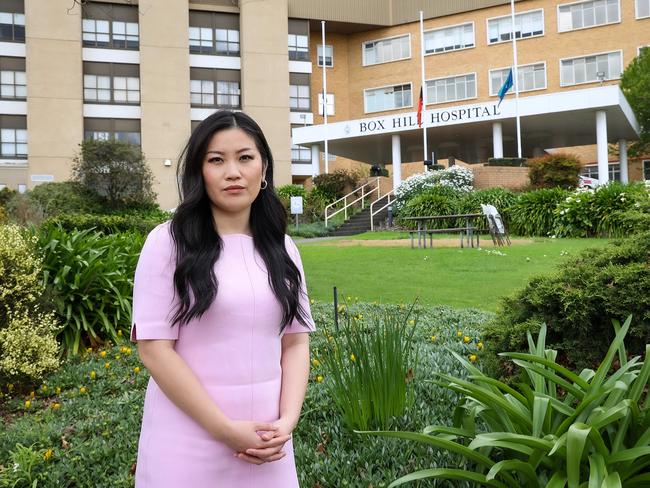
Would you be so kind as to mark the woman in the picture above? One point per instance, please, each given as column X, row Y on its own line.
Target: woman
column 221, row 318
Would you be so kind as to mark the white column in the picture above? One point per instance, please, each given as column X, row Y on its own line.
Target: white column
column 601, row 143
column 315, row 160
column 397, row 160
column 622, row 152
column 497, row 140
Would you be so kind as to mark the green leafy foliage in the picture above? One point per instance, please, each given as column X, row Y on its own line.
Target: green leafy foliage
column 371, row 362
column 578, row 300
column 553, row 170
column 66, row 197
column 142, row 223
column 554, row 429
column 336, row 184
column 116, row 171
column 635, row 84
column 534, row 212
column 437, row 200
column 288, row 191
column 90, row 279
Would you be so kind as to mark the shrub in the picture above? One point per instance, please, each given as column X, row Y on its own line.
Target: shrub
column 370, row 364
column 116, row 171
column 457, row 178
column 90, row 279
column 314, row 229
column 437, row 200
column 518, row 162
column 64, row 198
column 291, row 191
column 534, row 212
column 107, row 224
column 554, row 170
column 577, row 302
column 336, row 184
column 28, row 346
column 556, row 428
column 314, row 207
column 597, row 212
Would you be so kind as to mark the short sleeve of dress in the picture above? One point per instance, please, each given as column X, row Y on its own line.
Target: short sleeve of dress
column 153, row 288
column 295, row 326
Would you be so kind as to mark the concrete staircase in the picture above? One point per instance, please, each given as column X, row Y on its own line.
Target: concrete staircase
column 360, row 223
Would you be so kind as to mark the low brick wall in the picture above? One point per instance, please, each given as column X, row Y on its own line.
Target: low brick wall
column 500, row 176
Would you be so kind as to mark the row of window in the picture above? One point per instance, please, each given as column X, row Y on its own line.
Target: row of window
column 614, row 171
column 573, row 16
column 574, row 71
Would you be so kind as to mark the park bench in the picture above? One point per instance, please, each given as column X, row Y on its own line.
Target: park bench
column 468, row 232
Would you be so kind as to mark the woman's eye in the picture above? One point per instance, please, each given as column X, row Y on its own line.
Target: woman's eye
column 214, row 160
column 246, row 157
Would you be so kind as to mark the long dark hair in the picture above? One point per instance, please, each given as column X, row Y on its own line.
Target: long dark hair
column 198, row 244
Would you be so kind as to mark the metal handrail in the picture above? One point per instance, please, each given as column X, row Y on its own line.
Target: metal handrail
column 372, row 214
column 346, row 204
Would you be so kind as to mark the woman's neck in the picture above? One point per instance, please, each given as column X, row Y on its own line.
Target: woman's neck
column 229, row 223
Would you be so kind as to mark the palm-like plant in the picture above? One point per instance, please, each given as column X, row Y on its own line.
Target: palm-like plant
column 554, row 429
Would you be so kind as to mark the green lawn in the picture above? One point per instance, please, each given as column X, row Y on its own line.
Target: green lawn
column 440, row 276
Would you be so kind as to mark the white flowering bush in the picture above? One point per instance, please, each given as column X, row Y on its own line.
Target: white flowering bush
column 456, row 177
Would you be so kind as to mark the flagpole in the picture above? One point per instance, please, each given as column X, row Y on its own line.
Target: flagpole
column 515, row 76
column 322, row 24
column 424, row 92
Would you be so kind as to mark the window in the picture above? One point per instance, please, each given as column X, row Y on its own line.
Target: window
column 527, row 24
column 298, row 47
column 111, row 83
column 110, row 26
column 388, row 98
column 13, row 84
column 300, row 154
column 530, row 77
column 97, row 88
column 299, row 97
column 12, row 26
column 125, row 35
column 590, row 68
column 614, row 171
column 125, row 130
column 126, row 89
column 201, row 40
column 642, row 8
column 588, row 14
column 214, row 33
column 646, row 169
column 330, row 103
column 329, row 55
column 202, row 93
column 227, row 41
column 228, row 94
column 449, row 39
column 452, row 88
column 386, row 50
column 13, row 143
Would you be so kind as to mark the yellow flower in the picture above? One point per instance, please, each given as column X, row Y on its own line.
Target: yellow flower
column 93, row 375
column 56, row 406
column 319, row 378
column 28, row 404
column 82, row 390
column 123, row 349
column 311, row 301
column 48, row 454
column 44, row 388
column 119, row 333
column 348, row 298
column 353, row 357
column 103, row 354
column 433, row 338
column 315, row 362
column 107, row 365
column 342, row 308
column 58, row 390
column 136, row 370
column 10, row 387
column 117, row 357
column 31, row 394
column 459, row 333
column 128, row 351
column 467, row 339
column 89, row 349
column 479, row 346
column 412, row 322
column 473, row 357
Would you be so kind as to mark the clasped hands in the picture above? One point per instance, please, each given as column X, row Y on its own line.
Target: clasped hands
column 258, row 442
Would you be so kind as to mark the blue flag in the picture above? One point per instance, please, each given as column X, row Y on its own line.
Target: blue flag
column 506, row 86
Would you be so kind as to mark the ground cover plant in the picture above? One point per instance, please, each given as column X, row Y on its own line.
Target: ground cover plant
column 80, row 426
column 555, row 428
column 451, row 276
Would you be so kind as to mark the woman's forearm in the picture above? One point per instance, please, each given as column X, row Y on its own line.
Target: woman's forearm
column 295, row 373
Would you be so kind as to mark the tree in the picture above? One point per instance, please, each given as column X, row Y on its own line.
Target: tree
column 635, row 84
column 116, row 171
column 554, row 170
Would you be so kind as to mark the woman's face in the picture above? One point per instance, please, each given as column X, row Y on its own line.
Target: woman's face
column 233, row 170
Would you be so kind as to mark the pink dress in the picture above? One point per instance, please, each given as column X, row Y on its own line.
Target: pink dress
column 234, row 350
